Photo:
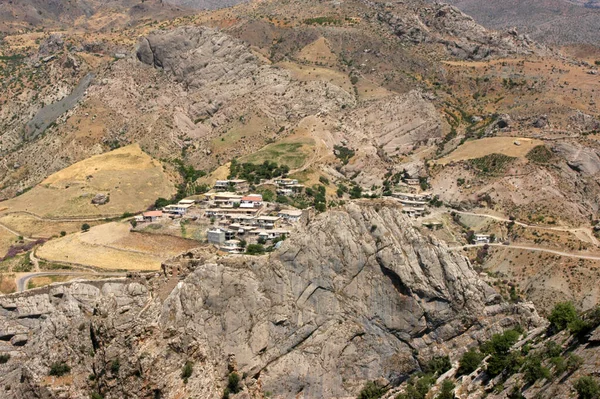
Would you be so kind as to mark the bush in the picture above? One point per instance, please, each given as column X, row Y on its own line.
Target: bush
column 552, row 349
column 85, row 227
column 371, row 391
column 5, row 357
column 161, row 202
column 438, row 365
column 469, row 362
column 187, row 371
column 96, row 395
column 417, row 387
column 63, row 233
column 587, row 388
column 58, row 369
column 255, row 249
column 563, row 314
column 324, row 180
column 115, row 366
column 233, row 383
column 533, row 370
column 573, row 362
column 447, row 390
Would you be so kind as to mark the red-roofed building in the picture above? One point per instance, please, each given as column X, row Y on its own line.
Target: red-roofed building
column 152, row 216
column 251, row 201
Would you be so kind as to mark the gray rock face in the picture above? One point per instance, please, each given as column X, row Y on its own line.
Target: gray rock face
column 196, row 55
column 100, row 199
column 355, row 295
column 581, row 159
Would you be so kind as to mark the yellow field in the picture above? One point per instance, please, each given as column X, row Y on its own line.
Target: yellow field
column 28, row 225
column 318, row 51
column 291, row 151
column 499, row 145
column 131, row 178
column 6, row 240
column 112, row 246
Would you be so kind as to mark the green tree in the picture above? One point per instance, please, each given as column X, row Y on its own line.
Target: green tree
column 255, row 249
column 161, row 202
column 533, row 370
column 469, row 362
column 371, row 391
column 563, row 314
column 58, row 369
column 587, row 388
column 447, row 391
column 85, row 227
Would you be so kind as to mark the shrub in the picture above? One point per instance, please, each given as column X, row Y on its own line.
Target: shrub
column 85, row 227
column 255, row 249
column 187, row 371
column 63, row 233
column 539, row 154
column 552, row 349
column 470, row 361
column 324, row 180
column 5, row 357
column 563, row 314
column 447, row 390
column 115, row 366
column 573, row 362
column 233, row 382
column 533, row 370
column 371, row 391
column 96, row 395
column 492, row 163
column 438, row 365
column 417, row 387
column 587, row 388
column 344, row 154
column 58, row 369
column 161, row 202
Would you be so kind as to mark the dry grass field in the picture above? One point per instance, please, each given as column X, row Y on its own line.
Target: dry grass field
column 6, row 240
column 31, row 226
column 131, row 178
column 112, row 246
column 318, row 51
column 491, row 145
column 307, row 73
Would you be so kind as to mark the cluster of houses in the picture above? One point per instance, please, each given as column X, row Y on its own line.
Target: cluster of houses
column 246, row 218
column 285, row 186
column 414, row 205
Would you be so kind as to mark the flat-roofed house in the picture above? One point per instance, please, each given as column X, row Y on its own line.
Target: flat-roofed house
column 177, row 209
column 267, row 222
column 283, row 182
column 482, row 239
column 251, row 201
column 290, row 215
column 187, row 202
column 234, row 184
column 151, row 216
column 232, row 246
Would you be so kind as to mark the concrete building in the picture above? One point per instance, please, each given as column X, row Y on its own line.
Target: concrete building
column 290, row 215
column 251, row 201
column 267, row 222
column 177, row 209
column 482, row 239
column 236, row 185
column 232, row 246
column 218, row 236
column 151, row 216
column 286, row 182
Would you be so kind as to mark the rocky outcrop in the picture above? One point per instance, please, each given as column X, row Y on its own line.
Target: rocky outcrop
column 197, row 55
column 457, row 32
column 581, row 159
column 356, row 294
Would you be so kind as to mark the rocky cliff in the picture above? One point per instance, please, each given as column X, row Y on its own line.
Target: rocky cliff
column 357, row 294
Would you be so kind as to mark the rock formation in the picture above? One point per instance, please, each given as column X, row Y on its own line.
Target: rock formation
column 356, row 294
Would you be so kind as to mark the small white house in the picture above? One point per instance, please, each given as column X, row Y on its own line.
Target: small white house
column 251, row 201
column 290, row 215
column 177, row 209
column 482, row 239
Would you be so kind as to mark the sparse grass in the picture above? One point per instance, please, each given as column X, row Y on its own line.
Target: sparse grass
column 292, row 154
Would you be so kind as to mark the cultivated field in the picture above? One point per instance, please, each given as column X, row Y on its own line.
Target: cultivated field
column 491, row 145
column 131, row 178
column 112, row 246
column 31, row 226
column 292, row 151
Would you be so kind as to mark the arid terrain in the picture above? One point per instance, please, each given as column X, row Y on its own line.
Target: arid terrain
column 298, row 199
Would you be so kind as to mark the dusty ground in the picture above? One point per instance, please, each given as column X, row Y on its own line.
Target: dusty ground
column 131, row 178
column 113, row 246
column 486, row 146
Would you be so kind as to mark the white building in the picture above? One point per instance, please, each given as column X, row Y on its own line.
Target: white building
column 290, row 215
column 251, row 201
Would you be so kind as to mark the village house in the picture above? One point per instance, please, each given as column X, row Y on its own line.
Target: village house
column 271, row 234
column 413, row 211
column 151, row 216
column 482, row 239
column 412, row 198
column 290, row 215
column 251, row 201
column 177, row 209
column 232, row 246
column 228, row 185
column 218, row 236
column 267, row 222
column 187, row 202
column 286, row 182
column 221, row 213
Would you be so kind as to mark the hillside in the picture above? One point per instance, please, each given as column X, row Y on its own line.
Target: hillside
column 556, row 22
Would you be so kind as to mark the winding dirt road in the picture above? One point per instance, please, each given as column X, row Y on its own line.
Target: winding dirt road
column 526, row 248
